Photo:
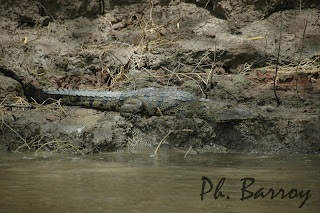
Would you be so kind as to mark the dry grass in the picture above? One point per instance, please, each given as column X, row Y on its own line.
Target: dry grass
column 54, row 106
column 151, row 37
column 35, row 143
column 306, row 66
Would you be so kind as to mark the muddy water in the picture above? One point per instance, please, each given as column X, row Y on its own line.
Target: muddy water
column 126, row 182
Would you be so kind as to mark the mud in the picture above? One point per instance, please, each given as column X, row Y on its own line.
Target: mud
column 201, row 48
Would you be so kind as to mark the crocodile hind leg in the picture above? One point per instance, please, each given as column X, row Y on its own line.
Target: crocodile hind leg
column 131, row 107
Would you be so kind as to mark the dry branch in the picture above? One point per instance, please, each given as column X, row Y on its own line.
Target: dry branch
column 167, row 135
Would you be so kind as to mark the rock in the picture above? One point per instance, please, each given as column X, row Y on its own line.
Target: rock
column 10, row 88
column 50, row 117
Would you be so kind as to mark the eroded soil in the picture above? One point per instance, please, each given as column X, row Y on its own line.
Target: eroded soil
column 226, row 52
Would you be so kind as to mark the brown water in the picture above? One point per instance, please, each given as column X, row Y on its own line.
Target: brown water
column 126, row 182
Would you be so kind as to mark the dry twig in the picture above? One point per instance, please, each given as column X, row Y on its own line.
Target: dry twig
column 277, row 64
column 300, row 55
column 191, row 147
column 167, row 135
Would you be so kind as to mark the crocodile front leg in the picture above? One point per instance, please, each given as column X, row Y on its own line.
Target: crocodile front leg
column 131, row 107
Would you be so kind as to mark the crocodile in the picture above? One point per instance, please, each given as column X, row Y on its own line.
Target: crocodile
column 152, row 102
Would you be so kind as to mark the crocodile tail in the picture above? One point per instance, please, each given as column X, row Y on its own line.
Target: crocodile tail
column 93, row 99
column 71, row 92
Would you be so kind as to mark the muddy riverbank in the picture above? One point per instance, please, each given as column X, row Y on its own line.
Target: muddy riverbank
column 225, row 51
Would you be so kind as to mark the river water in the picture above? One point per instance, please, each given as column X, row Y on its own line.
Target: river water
column 126, row 182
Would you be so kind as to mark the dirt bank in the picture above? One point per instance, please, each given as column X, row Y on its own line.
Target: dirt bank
column 224, row 50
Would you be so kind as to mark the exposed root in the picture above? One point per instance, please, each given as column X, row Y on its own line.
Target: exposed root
column 61, row 145
column 54, row 107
